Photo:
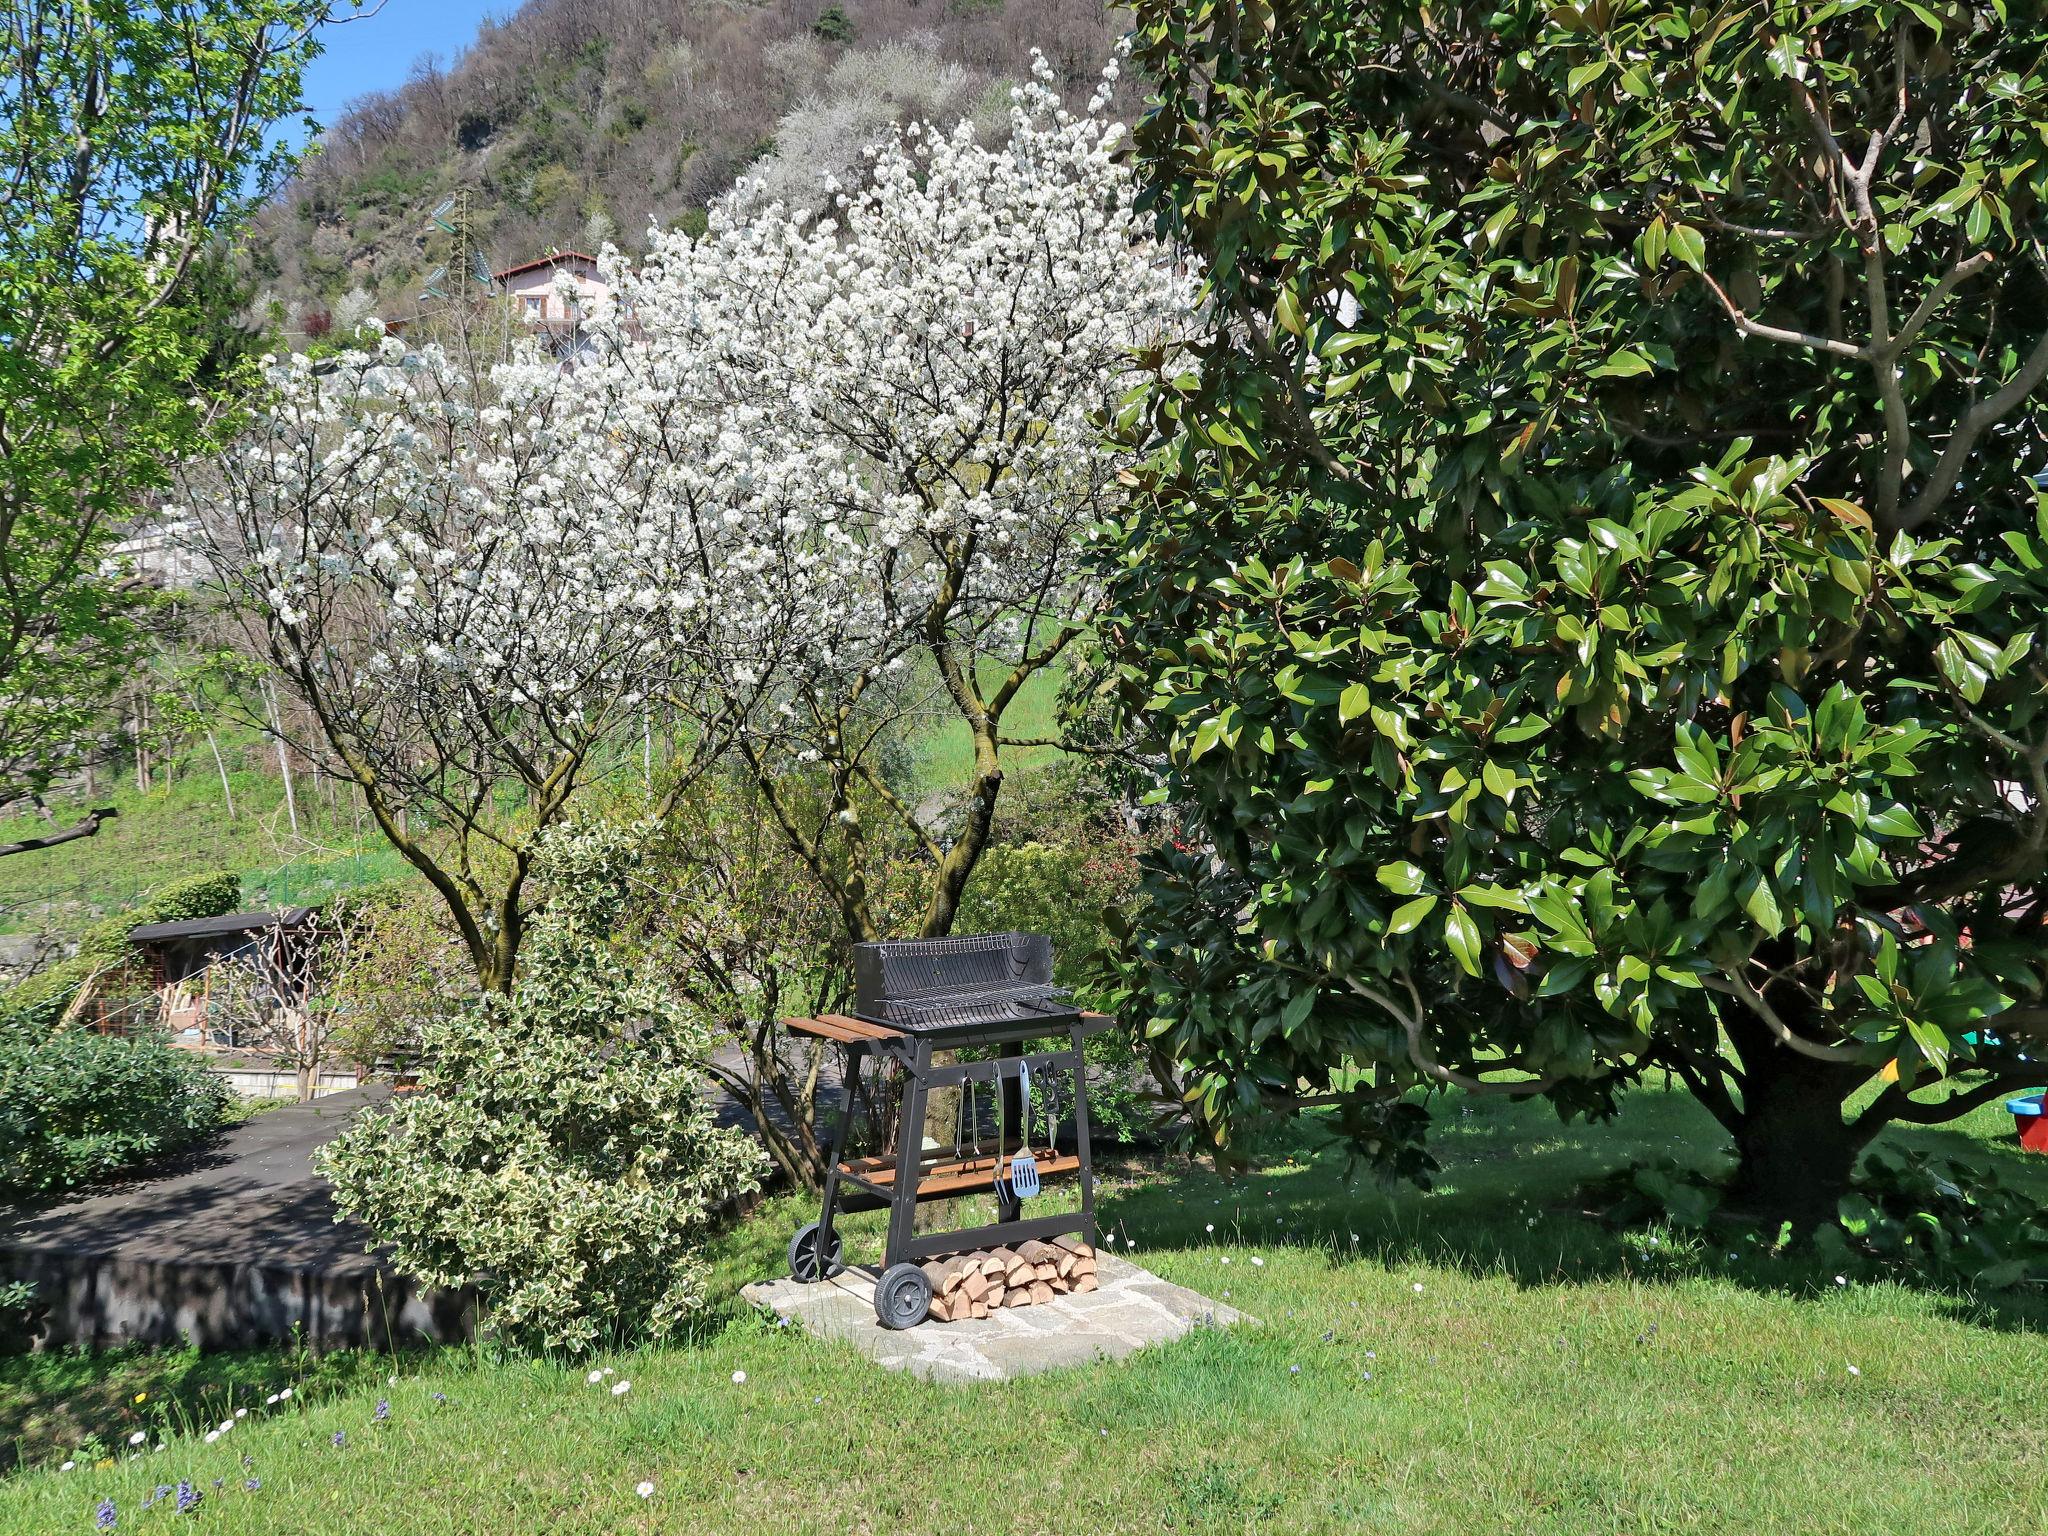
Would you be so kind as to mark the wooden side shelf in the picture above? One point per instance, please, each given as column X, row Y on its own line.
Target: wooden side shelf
column 841, row 1027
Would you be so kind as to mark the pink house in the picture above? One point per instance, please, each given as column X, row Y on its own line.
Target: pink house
column 531, row 287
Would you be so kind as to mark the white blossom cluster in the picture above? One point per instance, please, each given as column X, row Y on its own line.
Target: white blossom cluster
column 805, row 453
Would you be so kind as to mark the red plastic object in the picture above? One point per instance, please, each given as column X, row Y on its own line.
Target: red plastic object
column 2031, row 1122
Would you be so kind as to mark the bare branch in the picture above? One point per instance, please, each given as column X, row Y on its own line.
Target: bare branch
column 86, row 827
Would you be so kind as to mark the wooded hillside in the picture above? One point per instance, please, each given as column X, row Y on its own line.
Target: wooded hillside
column 575, row 120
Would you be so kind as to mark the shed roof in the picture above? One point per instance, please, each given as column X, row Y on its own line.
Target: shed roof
column 219, row 927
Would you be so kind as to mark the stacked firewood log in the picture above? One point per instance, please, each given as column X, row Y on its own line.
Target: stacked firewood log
column 976, row 1284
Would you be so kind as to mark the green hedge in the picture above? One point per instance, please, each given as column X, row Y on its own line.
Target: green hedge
column 75, row 1106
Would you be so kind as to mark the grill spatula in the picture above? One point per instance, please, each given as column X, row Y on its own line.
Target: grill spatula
column 1023, row 1166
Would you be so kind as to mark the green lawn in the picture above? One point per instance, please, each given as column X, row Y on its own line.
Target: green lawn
column 943, row 750
column 1481, row 1359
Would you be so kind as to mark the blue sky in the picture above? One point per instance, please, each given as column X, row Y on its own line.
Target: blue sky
column 376, row 53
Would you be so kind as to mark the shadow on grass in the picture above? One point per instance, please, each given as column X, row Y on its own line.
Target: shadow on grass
column 1507, row 1202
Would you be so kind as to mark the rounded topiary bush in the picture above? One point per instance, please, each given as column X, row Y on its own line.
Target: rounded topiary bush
column 76, row 1107
column 559, row 1155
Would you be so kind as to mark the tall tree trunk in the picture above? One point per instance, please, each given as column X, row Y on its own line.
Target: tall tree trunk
column 284, row 762
column 221, row 767
column 1794, row 1150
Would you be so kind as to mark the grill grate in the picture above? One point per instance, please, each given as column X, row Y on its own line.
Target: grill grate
column 957, row 983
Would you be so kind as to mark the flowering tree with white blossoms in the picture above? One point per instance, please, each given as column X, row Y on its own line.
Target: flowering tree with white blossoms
column 884, row 421
column 818, row 476
column 467, row 621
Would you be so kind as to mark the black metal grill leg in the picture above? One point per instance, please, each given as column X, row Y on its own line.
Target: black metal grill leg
column 1083, row 1142
column 848, row 1093
column 909, row 1156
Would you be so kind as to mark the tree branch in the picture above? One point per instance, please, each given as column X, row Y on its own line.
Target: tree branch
column 1985, row 414
column 87, row 827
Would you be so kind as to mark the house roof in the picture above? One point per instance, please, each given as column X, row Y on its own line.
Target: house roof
column 218, row 927
column 553, row 259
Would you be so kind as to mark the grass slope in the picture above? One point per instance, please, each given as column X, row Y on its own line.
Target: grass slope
column 1484, row 1358
column 166, row 834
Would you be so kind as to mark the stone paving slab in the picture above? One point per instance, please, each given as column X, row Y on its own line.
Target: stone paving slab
column 1132, row 1308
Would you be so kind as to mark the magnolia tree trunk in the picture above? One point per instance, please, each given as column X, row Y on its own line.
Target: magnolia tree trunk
column 1794, row 1150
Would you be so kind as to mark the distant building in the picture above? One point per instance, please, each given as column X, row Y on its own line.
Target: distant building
column 531, row 288
column 159, row 557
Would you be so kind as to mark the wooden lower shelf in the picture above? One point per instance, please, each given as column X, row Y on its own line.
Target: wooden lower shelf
column 958, row 1175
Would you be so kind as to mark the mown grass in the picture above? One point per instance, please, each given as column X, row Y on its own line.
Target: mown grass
column 942, row 748
column 1483, row 1358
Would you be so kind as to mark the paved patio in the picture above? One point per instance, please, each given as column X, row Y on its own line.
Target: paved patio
column 233, row 1244
column 1133, row 1308
column 230, row 1244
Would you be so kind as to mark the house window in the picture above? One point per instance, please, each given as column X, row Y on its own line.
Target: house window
column 533, row 304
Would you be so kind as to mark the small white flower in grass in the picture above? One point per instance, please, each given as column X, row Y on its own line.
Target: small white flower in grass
column 1294, row 1370
column 645, row 1490
column 1417, row 1287
column 284, row 1395
column 138, row 1437
column 1841, row 1279
column 270, row 1401
column 212, row 1435
column 739, row 1378
column 241, row 1413
column 621, row 1388
column 594, row 1377
column 1211, row 1227
column 1257, row 1262
column 609, row 1370
column 1855, row 1371
column 67, row 1466
column 226, row 1425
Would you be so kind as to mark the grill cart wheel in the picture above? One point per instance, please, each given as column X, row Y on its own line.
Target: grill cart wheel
column 803, row 1254
column 903, row 1296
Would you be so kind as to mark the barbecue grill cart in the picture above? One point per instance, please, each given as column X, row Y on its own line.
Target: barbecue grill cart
column 913, row 998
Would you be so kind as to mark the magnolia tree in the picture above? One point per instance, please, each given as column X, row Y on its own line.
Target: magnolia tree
column 816, row 477
column 1592, row 593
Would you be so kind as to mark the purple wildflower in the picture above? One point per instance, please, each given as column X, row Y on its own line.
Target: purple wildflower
column 188, row 1498
column 103, row 1517
column 383, row 1409
column 440, row 1397
column 252, row 1485
column 163, row 1491
column 340, row 1439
